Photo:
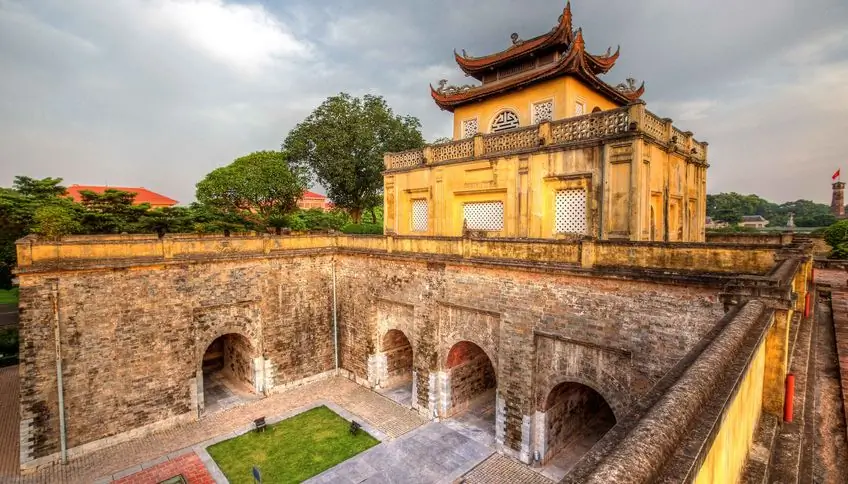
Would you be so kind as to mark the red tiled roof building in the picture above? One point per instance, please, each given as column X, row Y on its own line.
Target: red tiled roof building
column 142, row 195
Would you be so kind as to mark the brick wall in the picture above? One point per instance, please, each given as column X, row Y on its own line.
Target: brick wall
column 133, row 340
column 398, row 352
column 570, row 409
column 471, row 373
column 646, row 325
column 238, row 358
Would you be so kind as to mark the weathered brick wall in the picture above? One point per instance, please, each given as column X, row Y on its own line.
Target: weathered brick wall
column 133, row 340
column 572, row 408
column 648, row 325
column 398, row 352
column 238, row 358
column 471, row 378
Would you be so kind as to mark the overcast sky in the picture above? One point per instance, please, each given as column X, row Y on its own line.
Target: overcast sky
column 158, row 93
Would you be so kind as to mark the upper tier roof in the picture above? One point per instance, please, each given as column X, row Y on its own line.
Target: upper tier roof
column 573, row 60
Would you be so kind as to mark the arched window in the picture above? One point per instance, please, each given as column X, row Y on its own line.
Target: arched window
column 504, row 120
column 596, row 109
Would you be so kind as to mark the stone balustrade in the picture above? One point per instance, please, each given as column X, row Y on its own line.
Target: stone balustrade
column 595, row 126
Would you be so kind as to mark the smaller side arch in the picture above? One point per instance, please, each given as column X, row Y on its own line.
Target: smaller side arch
column 610, row 393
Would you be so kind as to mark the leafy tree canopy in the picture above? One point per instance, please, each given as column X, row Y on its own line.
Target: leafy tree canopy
column 255, row 187
column 731, row 207
column 342, row 143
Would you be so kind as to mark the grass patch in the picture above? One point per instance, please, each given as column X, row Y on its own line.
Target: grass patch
column 293, row 450
column 9, row 296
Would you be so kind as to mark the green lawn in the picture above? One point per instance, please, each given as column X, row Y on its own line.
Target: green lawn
column 9, row 296
column 293, row 450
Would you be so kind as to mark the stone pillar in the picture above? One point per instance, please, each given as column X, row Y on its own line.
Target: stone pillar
column 259, row 374
column 432, row 398
column 414, row 402
column 500, row 420
column 837, row 203
column 377, row 369
column 525, row 454
column 444, row 386
column 540, row 436
column 197, row 397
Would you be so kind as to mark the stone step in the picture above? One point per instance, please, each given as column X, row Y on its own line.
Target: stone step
column 785, row 463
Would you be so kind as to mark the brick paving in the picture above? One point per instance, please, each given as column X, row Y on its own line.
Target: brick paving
column 380, row 412
column 499, row 469
column 9, row 421
column 188, row 465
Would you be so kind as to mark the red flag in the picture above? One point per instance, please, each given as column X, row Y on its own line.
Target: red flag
column 836, row 175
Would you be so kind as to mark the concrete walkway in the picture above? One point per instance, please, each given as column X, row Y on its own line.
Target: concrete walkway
column 433, row 453
column 9, row 422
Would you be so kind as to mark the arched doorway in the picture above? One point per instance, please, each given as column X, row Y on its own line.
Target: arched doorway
column 575, row 418
column 228, row 372
column 397, row 382
column 471, row 384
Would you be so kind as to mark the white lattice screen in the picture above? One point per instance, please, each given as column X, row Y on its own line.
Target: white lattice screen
column 469, row 128
column 579, row 108
column 484, row 215
column 571, row 212
column 543, row 111
column 419, row 215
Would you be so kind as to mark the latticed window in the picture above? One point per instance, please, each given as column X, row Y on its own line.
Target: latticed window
column 579, row 108
column 419, row 215
column 571, row 212
column 484, row 215
column 505, row 120
column 469, row 128
column 543, row 111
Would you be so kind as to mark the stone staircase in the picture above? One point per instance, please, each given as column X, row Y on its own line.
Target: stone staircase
column 783, row 452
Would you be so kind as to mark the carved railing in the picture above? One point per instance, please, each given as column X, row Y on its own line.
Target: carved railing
column 512, row 140
column 405, row 159
column 455, row 150
column 590, row 126
column 596, row 126
column 653, row 125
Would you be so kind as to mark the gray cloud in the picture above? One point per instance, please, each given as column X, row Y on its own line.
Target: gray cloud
column 158, row 93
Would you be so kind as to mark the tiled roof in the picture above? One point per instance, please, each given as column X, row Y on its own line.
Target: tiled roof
column 142, row 195
column 313, row 195
column 753, row 218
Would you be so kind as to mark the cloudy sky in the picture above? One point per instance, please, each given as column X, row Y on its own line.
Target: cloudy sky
column 157, row 93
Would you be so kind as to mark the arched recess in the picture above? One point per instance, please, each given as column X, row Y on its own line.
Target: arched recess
column 576, row 416
column 471, row 376
column 613, row 393
column 228, row 372
column 398, row 352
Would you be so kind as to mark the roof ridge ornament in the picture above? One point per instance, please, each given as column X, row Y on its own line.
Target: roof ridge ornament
column 516, row 40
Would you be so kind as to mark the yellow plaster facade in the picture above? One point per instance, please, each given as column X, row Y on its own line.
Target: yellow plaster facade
column 569, row 96
column 629, row 183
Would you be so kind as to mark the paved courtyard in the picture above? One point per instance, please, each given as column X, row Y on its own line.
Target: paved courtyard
column 412, row 450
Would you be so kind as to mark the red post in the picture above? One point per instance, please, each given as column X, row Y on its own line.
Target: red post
column 788, row 401
column 807, row 306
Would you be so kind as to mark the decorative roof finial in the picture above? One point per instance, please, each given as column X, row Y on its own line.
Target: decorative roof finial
column 516, row 40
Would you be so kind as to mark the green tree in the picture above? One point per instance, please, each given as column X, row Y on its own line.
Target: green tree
column 55, row 220
column 111, row 212
column 342, row 143
column 254, row 187
column 836, row 237
column 17, row 209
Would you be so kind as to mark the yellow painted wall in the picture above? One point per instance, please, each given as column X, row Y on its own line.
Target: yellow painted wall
column 564, row 91
column 527, row 184
column 725, row 460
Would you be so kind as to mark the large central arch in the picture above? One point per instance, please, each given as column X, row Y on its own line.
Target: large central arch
column 470, row 389
column 228, row 373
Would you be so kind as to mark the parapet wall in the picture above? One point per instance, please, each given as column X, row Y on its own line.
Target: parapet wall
column 35, row 254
